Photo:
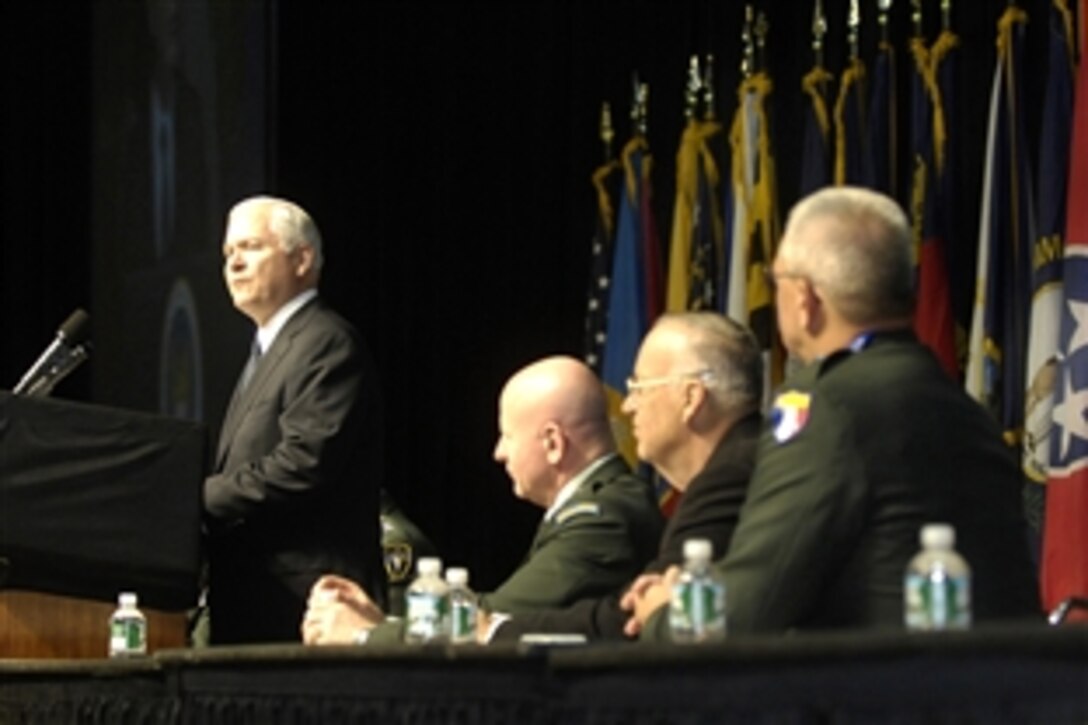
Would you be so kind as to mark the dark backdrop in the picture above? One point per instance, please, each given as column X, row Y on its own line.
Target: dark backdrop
column 445, row 150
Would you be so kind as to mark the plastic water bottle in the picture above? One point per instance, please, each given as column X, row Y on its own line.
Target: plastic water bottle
column 462, row 607
column 428, row 603
column 128, row 628
column 937, row 585
column 697, row 607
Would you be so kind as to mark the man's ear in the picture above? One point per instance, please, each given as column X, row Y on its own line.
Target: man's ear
column 304, row 260
column 694, row 397
column 811, row 304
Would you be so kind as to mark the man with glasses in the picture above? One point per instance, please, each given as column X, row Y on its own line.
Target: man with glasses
column 866, row 444
column 601, row 523
column 694, row 402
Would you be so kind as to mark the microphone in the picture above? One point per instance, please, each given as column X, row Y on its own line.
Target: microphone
column 62, row 356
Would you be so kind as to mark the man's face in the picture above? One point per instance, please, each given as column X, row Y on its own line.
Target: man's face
column 656, row 411
column 521, row 449
column 260, row 276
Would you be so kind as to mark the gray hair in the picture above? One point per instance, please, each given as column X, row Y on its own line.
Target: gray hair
column 863, row 261
column 730, row 354
column 290, row 223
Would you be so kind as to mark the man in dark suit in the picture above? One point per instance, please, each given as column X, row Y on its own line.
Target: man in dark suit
column 601, row 523
column 294, row 492
column 695, row 400
column 868, row 443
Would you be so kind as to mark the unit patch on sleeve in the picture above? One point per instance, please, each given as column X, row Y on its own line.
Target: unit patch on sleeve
column 789, row 414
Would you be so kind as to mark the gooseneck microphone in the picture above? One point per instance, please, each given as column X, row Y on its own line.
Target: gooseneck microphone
column 63, row 355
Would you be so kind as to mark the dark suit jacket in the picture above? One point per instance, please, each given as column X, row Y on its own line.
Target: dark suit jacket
column 885, row 443
column 294, row 492
column 708, row 509
column 596, row 541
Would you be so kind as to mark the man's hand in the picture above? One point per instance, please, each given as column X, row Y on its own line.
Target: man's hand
column 337, row 611
column 646, row 595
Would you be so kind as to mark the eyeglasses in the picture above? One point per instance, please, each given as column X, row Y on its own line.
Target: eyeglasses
column 634, row 385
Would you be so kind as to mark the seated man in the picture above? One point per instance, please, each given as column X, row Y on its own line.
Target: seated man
column 601, row 523
column 866, row 444
column 694, row 400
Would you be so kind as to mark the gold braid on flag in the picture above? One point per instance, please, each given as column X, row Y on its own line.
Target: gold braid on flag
column 854, row 74
column 812, row 84
column 637, row 143
column 604, row 200
column 683, row 218
column 945, row 43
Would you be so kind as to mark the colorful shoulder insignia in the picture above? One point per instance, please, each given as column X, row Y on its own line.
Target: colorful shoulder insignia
column 586, row 508
column 789, row 414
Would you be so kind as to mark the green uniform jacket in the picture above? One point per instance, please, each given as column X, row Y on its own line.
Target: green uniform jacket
column 861, row 450
column 597, row 542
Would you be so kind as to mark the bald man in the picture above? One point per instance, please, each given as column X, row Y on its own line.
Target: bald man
column 601, row 523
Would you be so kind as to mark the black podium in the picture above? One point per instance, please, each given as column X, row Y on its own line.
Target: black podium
column 96, row 500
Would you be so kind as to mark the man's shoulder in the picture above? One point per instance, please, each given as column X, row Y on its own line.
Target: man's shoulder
column 613, row 490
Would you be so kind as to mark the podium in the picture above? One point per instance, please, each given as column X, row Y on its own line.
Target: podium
column 95, row 501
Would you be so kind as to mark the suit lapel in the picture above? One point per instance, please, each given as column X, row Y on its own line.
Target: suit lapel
column 242, row 400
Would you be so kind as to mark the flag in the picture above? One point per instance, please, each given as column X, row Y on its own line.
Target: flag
column 851, row 154
column 631, row 310
column 1046, row 261
column 879, row 168
column 958, row 257
column 605, row 182
column 1065, row 536
column 754, row 222
column 695, row 246
column 815, row 149
column 995, row 370
column 933, row 313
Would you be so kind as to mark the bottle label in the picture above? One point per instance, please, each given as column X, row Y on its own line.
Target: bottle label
column 426, row 616
column 937, row 601
column 697, row 610
column 463, row 622
column 128, row 636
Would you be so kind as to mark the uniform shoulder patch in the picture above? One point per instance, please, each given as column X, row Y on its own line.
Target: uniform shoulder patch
column 586, row 508
column 790, row 414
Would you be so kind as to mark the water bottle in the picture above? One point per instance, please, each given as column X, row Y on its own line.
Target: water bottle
column 937, row 585
column 128, row 628
column 427, row 601
column 697, row 607
column 462, row 607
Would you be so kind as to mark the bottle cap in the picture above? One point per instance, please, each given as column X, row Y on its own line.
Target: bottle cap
column 429, row 565
column 457, row 576
column 700, row 549
column 938, row 536
column 127, row 599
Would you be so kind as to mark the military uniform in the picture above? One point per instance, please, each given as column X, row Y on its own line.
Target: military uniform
column 708, row 509
column 862, row 449
column 596, row 542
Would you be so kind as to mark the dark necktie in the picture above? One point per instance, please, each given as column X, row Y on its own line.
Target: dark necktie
column 251, row 364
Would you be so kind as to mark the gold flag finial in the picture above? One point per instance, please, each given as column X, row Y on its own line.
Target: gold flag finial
column 819, row 30
column 747, row 62
column 883, row 6
column 606, row 130
column 853, row 27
